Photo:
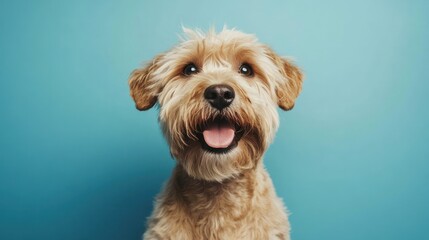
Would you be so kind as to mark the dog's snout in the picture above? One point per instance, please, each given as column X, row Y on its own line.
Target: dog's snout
column 219, row 96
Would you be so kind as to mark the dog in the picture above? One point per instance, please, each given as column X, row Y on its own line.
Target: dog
column 218, row 94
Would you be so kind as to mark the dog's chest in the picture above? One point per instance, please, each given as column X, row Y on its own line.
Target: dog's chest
column 250, row 227
column 245, row 209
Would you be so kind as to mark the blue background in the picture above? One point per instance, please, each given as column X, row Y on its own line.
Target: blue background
column 79, row 162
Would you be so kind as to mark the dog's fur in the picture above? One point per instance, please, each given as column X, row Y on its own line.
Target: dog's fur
column 218, row 195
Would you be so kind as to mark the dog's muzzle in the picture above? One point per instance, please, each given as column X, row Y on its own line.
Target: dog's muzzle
column 219, row 134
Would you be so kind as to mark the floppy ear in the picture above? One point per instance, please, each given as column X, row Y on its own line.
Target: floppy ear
column 289, row 85
column 143, row 88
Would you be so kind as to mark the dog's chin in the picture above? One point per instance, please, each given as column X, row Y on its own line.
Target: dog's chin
column 219, row 135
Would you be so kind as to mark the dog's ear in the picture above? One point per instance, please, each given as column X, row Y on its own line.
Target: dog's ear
column 143, row 88
column 289, row 85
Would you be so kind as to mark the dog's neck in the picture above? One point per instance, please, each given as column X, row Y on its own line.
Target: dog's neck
column 229, row 198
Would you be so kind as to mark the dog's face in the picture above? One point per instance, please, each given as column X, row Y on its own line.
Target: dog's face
column 218, row 94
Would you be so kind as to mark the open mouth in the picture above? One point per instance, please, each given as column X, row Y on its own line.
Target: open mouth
column 219, row 135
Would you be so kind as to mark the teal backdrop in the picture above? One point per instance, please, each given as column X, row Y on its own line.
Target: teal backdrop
column 78, row 161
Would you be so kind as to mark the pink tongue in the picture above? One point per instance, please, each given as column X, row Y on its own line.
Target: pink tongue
column 219, row 136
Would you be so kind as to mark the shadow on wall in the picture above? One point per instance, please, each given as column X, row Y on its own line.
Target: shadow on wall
column 124, row 200
column 117, row 203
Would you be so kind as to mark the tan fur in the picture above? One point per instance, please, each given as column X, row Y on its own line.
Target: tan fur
column 211, row 195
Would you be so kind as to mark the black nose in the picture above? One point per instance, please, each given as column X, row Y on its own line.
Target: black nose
column 219, row 96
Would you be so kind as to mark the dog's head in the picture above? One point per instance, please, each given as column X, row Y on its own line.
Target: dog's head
column 218, row 94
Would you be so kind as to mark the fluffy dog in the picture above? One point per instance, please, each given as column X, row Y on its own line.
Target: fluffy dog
column 218, row 94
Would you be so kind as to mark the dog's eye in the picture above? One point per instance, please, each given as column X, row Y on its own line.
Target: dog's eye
column 246, row 70
column 190, row 69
